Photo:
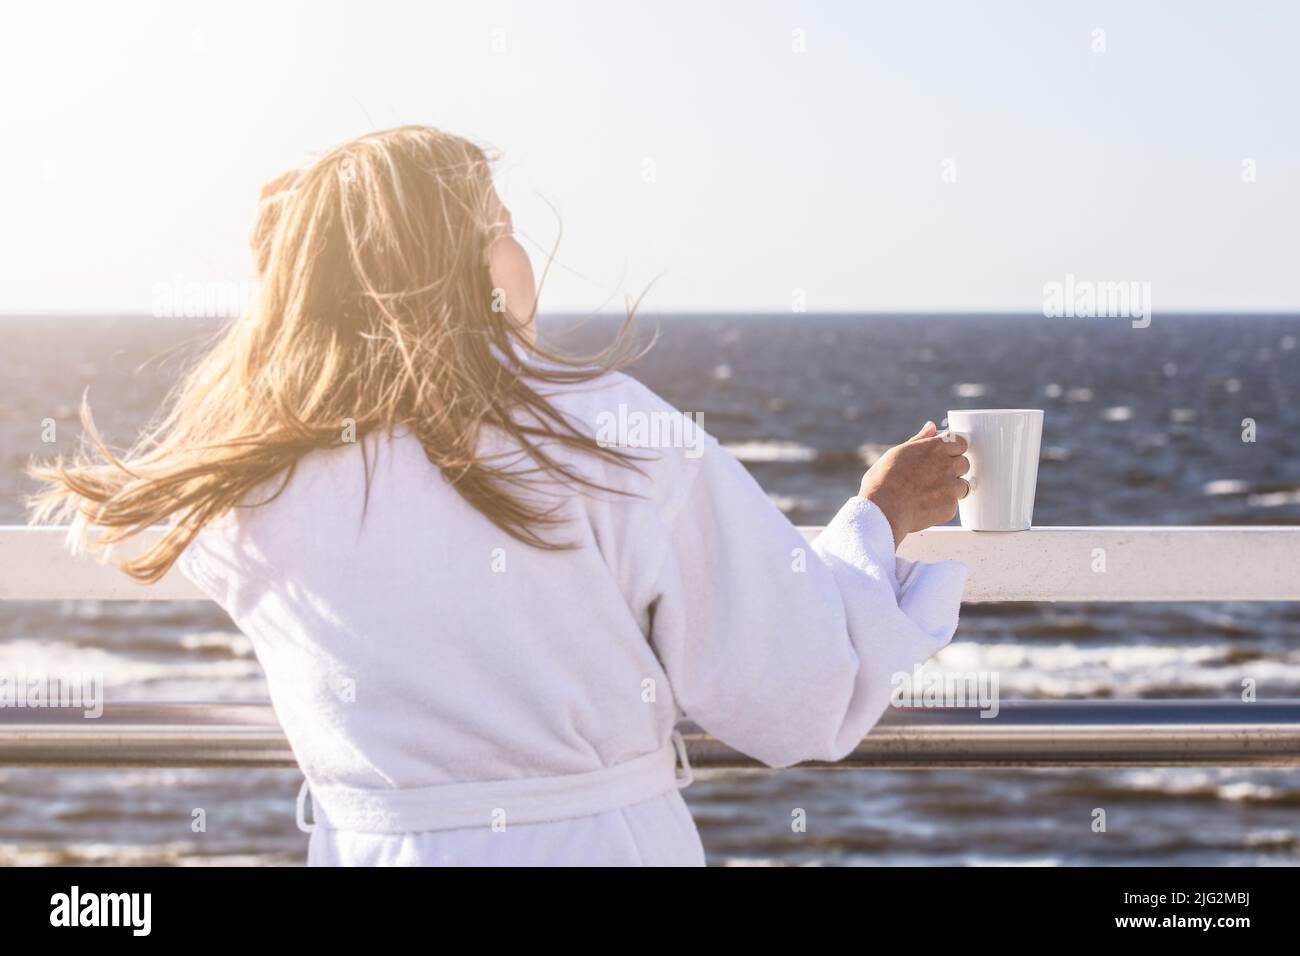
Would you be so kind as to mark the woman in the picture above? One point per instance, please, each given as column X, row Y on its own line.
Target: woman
column 479, row 619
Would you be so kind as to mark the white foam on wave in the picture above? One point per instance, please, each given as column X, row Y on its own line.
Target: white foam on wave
column 991, row 861
column 129, row 675
column 771, row 451
column 1225, row 486
column 791, row 503
column 744, row 861
column 118, row 854
column 1258, row 839
column 1124, row 670
column 1227, row 784
column 236, row 644
column 1274, row 499
column 157, row 778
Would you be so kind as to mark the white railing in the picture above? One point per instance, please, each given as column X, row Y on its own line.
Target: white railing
column 1043, row 564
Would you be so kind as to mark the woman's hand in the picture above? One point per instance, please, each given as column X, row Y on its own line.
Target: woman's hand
column 918, row 483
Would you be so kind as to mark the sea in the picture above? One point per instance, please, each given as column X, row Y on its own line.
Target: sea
column 1193, row 420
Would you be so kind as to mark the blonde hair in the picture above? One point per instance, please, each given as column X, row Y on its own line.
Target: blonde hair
column 375, row 310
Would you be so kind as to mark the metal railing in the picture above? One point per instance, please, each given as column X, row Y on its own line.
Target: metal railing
column 1185, row 733
column 1043, row 564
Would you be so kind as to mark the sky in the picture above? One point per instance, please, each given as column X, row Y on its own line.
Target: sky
column 729, row 156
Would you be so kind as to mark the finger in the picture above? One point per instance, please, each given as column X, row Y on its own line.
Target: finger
column 963, row 488
column 960, row 465
column 927, row 430
column 955, row 443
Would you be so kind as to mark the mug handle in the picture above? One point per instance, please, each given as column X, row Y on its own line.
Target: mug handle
column 970, row 475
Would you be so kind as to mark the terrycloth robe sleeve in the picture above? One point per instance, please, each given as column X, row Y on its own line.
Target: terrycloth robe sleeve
column 785, row 651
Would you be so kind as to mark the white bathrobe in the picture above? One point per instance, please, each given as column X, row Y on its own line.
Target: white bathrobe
column 454, row 696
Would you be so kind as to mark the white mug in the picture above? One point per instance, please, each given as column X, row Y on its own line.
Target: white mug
column 1003, row 448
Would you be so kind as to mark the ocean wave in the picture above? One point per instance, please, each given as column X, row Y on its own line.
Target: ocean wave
column 1257, row 494
column 128, row 675
column 1068, row 670
column 792, row 504
column 1226, row 486
column 218, row 642
column 1188, row 784
column 118, row 854
column 768, row 452
column 1274, row 499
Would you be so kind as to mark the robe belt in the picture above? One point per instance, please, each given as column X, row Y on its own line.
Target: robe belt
column 457, row 806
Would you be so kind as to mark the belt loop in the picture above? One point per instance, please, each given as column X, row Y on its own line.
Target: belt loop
column 303, row 792
column 687, row 776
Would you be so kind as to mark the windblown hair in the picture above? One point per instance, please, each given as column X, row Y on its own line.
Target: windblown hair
column 375, row 311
